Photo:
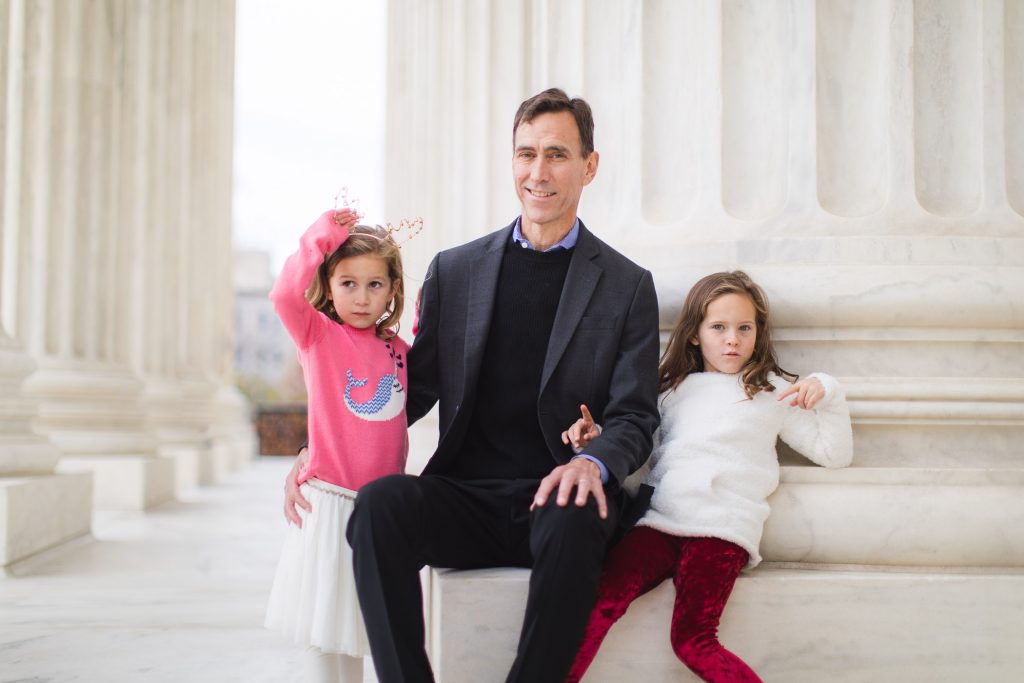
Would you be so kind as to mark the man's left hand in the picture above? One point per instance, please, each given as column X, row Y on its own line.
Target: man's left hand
column 580, row 473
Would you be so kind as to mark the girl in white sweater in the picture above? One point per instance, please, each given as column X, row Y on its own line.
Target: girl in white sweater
column 724, row 401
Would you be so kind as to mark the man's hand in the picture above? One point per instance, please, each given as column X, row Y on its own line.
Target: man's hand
column 578, row 472
column 292, row 497
column 582, row 431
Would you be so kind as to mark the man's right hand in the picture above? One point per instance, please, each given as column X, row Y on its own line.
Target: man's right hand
column 292, row 496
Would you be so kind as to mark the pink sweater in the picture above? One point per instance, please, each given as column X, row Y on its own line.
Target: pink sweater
column 355, row 381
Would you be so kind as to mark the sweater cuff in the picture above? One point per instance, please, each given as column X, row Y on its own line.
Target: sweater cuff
column 828, row 382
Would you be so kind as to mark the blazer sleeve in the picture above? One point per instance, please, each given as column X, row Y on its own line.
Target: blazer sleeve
column 423, row 361
column 823, row 434
column 304, row 323
column 631, row 413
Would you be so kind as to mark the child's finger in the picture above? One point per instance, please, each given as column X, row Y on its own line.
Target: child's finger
column 792, row 388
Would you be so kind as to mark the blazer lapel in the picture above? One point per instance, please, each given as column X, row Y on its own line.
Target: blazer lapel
column 580, row 282
column 483, row 278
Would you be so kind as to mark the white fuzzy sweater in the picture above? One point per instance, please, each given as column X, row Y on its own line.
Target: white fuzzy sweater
column 715, row 463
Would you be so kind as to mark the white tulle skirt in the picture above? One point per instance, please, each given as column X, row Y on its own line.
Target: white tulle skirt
column 313, row 600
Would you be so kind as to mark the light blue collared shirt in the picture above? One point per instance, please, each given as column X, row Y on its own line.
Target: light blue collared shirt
column 567, row 242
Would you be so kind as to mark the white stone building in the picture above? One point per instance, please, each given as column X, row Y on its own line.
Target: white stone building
column 864, row 161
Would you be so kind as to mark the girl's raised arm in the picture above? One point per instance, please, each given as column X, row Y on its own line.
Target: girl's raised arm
column 304, row 323
column 823, row 433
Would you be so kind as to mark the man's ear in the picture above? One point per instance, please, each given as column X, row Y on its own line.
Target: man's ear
column 592, row 163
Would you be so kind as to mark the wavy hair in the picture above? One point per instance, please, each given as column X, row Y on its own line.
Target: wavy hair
column 682, row 357
column 363, row 240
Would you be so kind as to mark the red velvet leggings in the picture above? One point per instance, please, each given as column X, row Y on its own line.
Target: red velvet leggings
column 703, row 570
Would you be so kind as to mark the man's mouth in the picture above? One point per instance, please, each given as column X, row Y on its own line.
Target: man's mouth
column 540, row 194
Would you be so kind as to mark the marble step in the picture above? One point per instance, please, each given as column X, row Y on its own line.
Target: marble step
column 792, row 625
column 897, row 516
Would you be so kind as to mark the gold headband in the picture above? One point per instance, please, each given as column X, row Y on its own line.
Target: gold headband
column 399, row 234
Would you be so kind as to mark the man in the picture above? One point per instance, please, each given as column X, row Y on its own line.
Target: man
column 517, row 331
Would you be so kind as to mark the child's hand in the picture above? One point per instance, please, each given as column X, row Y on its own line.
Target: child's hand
column 808, row 392
column 346, row 218
column 292, row 496
column 582, row 432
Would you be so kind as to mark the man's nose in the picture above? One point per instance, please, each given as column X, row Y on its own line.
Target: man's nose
column 539, row 169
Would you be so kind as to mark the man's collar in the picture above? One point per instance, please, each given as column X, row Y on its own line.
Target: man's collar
column 567, row 242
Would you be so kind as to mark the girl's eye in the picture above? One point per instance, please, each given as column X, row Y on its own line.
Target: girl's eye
column 718, row 326
column 376, row 285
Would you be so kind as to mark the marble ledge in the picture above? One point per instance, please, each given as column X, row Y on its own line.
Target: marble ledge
column 124, row 482
column 40, row 512
column 906, row 476
column 789, row 625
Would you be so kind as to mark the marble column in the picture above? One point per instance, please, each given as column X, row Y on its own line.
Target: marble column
column 184, row 350
column 863, row 161
column 39, row 508
column 71, row 293
column 119, row 286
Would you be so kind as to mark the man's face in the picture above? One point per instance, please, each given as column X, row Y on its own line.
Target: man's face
column 550, row 171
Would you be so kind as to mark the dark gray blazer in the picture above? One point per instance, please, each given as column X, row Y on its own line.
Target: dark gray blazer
column 603, row 350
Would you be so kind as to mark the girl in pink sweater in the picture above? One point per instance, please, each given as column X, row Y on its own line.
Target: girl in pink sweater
column 340, row 297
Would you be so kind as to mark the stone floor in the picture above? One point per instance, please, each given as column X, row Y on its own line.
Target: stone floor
column 173, row 594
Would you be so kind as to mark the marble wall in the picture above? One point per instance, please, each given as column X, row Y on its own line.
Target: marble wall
column 115, row 289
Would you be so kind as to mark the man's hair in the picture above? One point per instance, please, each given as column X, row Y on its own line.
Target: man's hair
column 552, row 101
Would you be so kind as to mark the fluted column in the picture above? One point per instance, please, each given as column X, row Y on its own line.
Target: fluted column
column 860, row 160
column 72, row 287
column 184, row 351
column 38, row 507
column 117, row 280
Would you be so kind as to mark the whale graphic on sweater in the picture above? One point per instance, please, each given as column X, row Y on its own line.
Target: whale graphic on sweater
column 387, row 401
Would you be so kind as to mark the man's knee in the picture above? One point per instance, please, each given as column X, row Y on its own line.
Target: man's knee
column 575, row 525
column 384, row 502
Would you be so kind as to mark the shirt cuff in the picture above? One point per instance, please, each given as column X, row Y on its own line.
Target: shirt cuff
column 600, row 466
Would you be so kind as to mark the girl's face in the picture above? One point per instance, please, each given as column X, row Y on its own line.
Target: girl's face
column 727, row 334
column 361, row 290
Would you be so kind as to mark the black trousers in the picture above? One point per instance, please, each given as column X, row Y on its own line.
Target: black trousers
column 401, row 523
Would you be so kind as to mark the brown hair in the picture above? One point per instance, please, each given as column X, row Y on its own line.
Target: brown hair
column 552, row 101
column 363, row 240
column 682, row 357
